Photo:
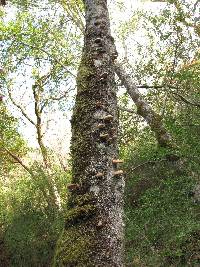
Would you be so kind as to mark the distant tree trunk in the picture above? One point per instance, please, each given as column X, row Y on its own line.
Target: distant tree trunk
column 93, row 234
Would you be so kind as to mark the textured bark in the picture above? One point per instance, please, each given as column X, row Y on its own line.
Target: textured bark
column 2, row 3
column 153, row 119
column 93, row 235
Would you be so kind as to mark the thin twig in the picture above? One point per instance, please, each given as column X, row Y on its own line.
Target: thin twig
column 49, row 55
column 18, row 160
column 185, row 100
column 20, row 108
column 127, row 110
column 148, row 162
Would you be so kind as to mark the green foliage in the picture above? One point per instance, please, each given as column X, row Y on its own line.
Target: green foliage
column 31, row 226
column 72, row 248
column 29, row 219
column 10, row 140
column 161, row 215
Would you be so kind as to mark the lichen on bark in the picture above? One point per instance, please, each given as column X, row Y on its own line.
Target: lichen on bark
column 93, row 234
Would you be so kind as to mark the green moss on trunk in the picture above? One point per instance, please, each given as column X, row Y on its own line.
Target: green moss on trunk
column 73, row 248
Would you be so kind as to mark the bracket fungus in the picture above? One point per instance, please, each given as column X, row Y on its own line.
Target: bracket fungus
column 119, row 172
column 101, row 126
column 99, row 104
column 116, row 161
column 104, row 135
column 100, row 224
column 108, row 118
column 99, row 174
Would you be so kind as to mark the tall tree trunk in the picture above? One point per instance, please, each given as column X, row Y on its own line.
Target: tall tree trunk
column 93, row 234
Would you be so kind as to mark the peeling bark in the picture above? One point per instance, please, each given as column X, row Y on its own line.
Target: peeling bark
column 93, row 235
column 153, row 119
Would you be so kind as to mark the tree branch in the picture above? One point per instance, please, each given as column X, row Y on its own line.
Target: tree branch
column 20, row 108
column 49, row 55
column 153, row 119
column 127, row 110
column 54, row 98
column 73, row 13
column 18, row 160
column 151, row 162
column 185, row 100
column 195, row 5
column 2, row 2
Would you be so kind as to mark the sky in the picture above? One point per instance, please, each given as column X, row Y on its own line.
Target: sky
column 59, row 133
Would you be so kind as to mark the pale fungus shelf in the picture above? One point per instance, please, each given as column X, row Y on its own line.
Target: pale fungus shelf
column 99, row 174
column 119, row 172
column 101, row 126
column 104, row 135
column 99, row 104
column 116, row 161
column 108, row 118
column 99, row 224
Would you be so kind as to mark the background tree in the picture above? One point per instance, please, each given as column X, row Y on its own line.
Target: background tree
column 159, row 229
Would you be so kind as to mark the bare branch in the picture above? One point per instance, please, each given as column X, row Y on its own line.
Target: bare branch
column 145, row 86
column 59, row 97
column 18, row 160
column 169, row 157
column 49, row 55
column 151, row 162
column 38, row 113
column 53, row 98
column 185, row 100
column 150, row 86
column 20, row 108
column 195, row 5
column 153, row 119
column 127, row 110
column 189, row 125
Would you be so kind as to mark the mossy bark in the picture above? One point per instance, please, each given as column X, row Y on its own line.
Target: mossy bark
column 93, row 235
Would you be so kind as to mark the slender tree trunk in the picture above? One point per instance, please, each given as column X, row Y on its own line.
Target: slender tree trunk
column 93, row 234
column 53, row 191
column 153, row 119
